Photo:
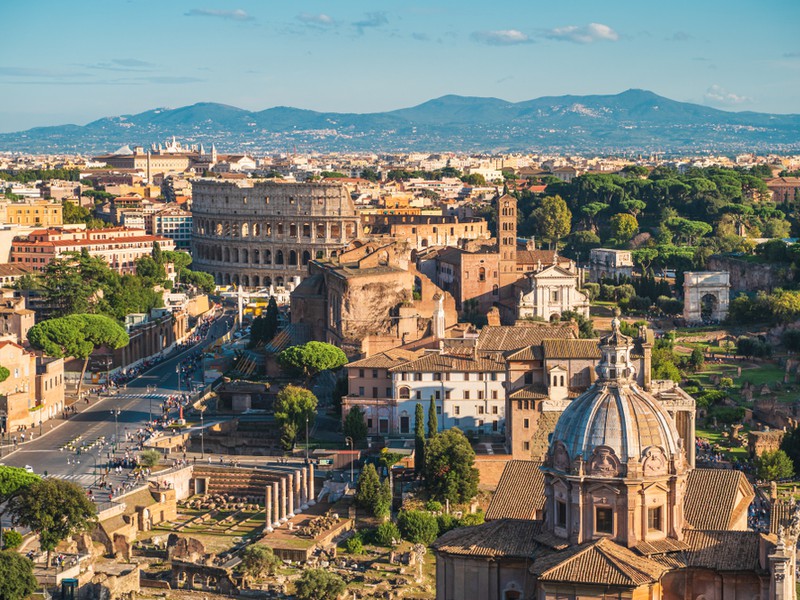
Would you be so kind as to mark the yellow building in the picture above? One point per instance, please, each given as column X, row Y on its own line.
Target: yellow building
column 32, row 212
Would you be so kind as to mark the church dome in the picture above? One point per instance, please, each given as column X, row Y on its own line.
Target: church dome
column 615, row 428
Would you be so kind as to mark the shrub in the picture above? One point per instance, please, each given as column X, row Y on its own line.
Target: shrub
column 385, row 533
column 418, row 527
column 592, row 290
column 433, row 506
column 11, row 539
column 149, row 458
column 354, row 545
column 446, row 523
column 472, row 519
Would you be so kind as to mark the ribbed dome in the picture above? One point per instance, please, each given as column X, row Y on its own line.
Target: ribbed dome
column 621, row 418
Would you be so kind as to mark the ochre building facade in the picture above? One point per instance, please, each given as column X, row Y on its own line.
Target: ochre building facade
column 258, row 233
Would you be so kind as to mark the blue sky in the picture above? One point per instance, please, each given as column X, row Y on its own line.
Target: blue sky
column 73, row 62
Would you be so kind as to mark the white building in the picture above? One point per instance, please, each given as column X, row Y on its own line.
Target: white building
column 549, row 292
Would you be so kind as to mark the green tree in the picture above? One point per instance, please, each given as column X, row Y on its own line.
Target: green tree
column 772, row 466
column 418, row 527
column 312, row 357
column 370, row 175
column 368, row 487
column 157, row 254
column 419, row 438
column 382, row 507
column 449, row 467
column 11, row 539
column 16, row 576
column 624, row 227
column 149, row 458
column 152, row 271
column 554, row 219
column 585, row 325
column 293, row 406
column 77, row 336
column 433, row 421
column 696, row 359
column 355, row 425
column 54, row 509
column 386, row 533
column 259, row 561
column 319, row 584
column 13, row 481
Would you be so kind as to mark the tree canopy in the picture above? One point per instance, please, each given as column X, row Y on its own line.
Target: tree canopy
column 16, row 576
column 312, row 357
column 292, row 407
column 449, row 467
column 355, row 425
column 259, row 561
column 319, row 584
column 54, row 509
column 553, row 218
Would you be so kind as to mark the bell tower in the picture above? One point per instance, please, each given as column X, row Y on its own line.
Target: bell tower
column 507, row 242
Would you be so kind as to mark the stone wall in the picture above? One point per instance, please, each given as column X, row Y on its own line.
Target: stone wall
column 750, row 277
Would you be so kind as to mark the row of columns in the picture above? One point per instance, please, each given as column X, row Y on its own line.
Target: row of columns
column 291, row 494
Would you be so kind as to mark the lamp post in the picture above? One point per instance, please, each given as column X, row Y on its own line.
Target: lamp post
column 178, row 371
column 202, row 433
column 306, row 439
column 116, row 413
column 348, row 440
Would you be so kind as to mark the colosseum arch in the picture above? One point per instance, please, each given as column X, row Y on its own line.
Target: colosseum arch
column 267, row 281
column 245, row 281
column 308, row 219
column 256, row 281
column 705, row 296
column 279, row 281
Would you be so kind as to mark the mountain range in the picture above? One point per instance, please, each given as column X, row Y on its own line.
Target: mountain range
column 630, row 122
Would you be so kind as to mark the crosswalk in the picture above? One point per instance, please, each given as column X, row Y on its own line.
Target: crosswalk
column 145, row 396
column 85, row 478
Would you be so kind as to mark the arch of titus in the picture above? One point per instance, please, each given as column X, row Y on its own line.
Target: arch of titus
column 709, row 289
column 259, row 233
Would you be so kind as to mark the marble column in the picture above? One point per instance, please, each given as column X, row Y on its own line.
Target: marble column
column 304, row 487
column 311, row 495
column 268, row 509
column 290, row 495
column 298, row 500
column 276, row 503
column 283, row 499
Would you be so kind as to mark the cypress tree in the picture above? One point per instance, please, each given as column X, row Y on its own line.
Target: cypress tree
column 419, row 438
column 433, row 422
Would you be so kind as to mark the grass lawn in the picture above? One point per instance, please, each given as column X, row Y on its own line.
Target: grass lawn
column 765, row 373
column 721, row 439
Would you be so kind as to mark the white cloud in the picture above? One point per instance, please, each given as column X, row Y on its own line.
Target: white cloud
column 502, row 37
column 586, row 34
column 234, row 15
column 315, row 19
column 371, row 19
column 718, row 95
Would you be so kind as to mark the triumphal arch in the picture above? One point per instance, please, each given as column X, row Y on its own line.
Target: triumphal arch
column 705, row 296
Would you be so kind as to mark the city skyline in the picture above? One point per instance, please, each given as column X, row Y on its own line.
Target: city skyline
column 112, row 59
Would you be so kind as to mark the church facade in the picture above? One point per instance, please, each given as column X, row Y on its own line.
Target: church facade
column 617, row 511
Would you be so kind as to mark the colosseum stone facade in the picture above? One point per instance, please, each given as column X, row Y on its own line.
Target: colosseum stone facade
column 259, row 233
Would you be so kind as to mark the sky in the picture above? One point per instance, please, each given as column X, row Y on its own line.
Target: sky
column 74, row 62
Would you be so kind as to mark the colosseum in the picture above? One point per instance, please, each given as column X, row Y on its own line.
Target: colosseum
column 259, row 233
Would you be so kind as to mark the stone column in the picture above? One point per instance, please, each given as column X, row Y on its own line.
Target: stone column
column 311, row 494
column 298, row 500
column 290, row 495
column 276, row 504
column 268, row 509
column 303, row 488
column 283, row 499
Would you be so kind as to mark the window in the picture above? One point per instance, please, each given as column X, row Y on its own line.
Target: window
column 654, row 519
column 526, row 423
column 480, row 409
column 374, row 373
column 361, row 391
column 369, row 423
column 419, row 395
column 388, row 392
column 554, row 295
column 603, row 520
column 526, row 445
column 374, row 392
column 528, row 378
column 494, row 394
column 494, row 410
column 437, row 376
column 466, row 394
column 456, row 410
column 438, row 410
column 480, row 395
column 404, row 393
column 417, row 376
column 438, row 395
column 561, row 513
column 481, row 274
column 361, row 372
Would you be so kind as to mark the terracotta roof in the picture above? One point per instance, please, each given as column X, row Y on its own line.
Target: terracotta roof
column 520, row 492
column 717, row 551
column 528, row 353
column 660, row 547
column 518, row 336
column 780, row 514
column 9, row 270
column 501, row 538
column 384, row 360
column 599, row 563
column 535, row 391
column 715, row 497
column 435, row 362
column 588, row 349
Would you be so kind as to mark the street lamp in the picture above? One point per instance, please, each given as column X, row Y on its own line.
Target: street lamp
column 202, row 432
column 306, row 439
column 116, row 412
column 178, row 371
column 348, row 440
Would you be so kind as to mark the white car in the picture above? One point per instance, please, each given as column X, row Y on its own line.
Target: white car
column 29, row 468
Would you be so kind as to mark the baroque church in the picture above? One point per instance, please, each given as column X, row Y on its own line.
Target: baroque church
column 616, row 510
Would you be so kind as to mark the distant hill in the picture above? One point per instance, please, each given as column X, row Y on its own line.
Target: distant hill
column 633, row 121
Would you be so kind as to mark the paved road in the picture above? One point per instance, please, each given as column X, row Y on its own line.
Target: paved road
column 94, row 428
